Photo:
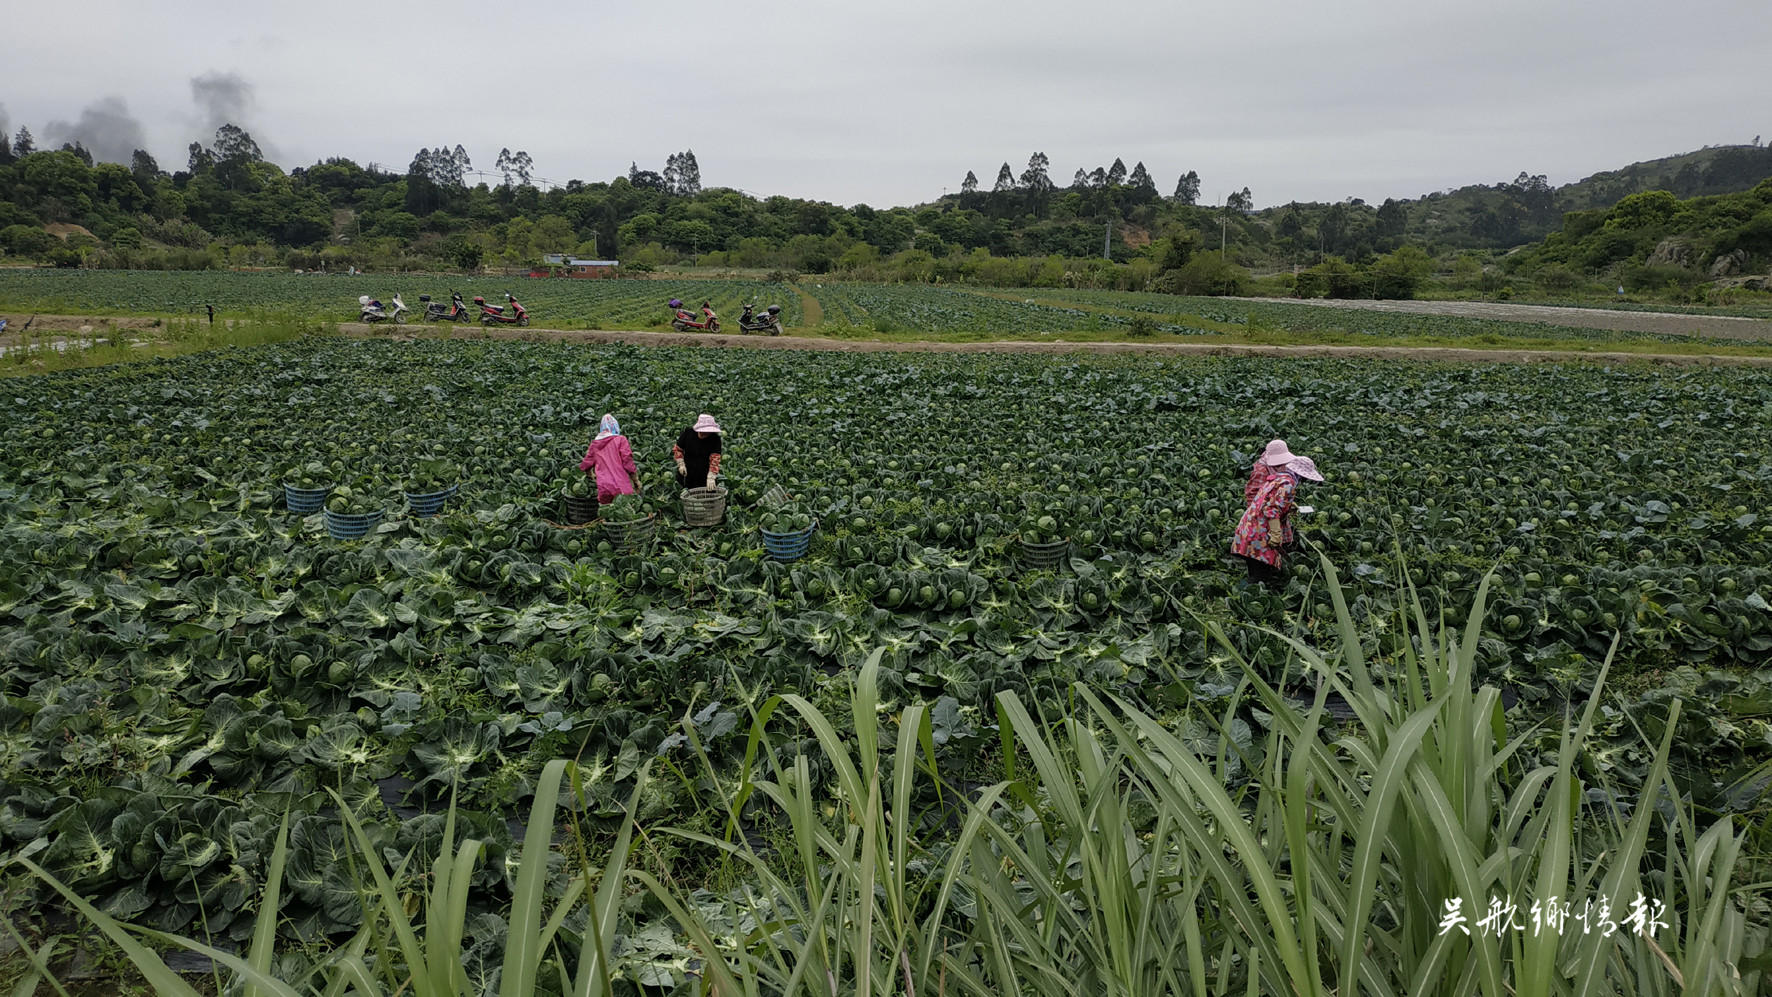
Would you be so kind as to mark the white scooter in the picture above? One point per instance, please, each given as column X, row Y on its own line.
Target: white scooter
column 372, row 310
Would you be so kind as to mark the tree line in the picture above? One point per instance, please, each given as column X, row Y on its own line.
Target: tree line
column 1110, row 225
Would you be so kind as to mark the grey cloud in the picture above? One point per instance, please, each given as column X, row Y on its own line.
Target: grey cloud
column 105, row 127
column 5, row 125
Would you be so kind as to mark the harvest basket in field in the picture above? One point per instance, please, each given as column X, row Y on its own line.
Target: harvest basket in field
column 305, row 500
column 430, row 503
column 351, row 525
column 631, row 535
column 1045, row 555
column 789, row 546
column 704, row 506
column 580, row 509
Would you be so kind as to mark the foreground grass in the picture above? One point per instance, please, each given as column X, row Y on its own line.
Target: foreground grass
column 42, row 352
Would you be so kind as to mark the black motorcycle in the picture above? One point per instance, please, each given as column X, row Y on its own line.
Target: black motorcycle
column 436, row 311
column 769, row 321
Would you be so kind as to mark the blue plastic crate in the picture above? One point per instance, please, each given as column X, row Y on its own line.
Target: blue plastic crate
column 305, row 500
column 351, row 525
column 430, row 503
column 788, row 546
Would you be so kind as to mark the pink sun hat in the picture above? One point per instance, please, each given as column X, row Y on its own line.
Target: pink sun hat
column 704, row 423
column 1276, row 454
column 1305, row 468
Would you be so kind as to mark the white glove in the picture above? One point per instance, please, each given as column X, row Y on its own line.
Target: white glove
column 683, row 469
column 711, row 477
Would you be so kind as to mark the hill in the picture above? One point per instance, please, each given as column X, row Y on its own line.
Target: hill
column 1508, row 214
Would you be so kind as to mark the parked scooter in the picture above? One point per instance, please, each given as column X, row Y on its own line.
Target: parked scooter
column 685, row 320
column 769, row 321
column 437, row 311
column 371, row 310
column 496, row 314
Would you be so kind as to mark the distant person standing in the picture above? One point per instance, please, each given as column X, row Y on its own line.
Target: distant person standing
column 211, row 309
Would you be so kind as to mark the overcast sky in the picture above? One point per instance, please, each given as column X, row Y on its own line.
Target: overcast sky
column 890, row 102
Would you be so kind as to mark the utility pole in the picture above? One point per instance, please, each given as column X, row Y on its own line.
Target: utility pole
column 1107, row 239
column 1224, row 214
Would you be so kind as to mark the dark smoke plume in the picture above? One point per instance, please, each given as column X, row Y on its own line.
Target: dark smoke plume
column 222, row 99
column 105, row 128
column 226, row 99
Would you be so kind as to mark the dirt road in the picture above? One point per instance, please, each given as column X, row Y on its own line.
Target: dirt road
column 1662, row 323
column 722, row 340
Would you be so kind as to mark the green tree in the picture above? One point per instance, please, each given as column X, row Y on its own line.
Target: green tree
column 232, row 142
column 1141, row 181
column 1393, row 218
column 1210, row 274
column 1116, row 174
column 970, row 184
column 27, row 240
column 1005, row 180
column 1400, row 274
column 1037, row 181
column 1187, row 189
column 1651, row 207
column 1291, row 225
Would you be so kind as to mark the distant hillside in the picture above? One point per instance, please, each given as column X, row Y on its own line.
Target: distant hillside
column 1654, row 240
column 1723, row 169
column 1516, row 212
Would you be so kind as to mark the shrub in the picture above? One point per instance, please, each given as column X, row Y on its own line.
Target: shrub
column 1332, row 278
column 26, row 240
column 1211, row 274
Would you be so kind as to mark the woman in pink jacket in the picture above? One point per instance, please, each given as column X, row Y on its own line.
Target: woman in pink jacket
column 612, row 460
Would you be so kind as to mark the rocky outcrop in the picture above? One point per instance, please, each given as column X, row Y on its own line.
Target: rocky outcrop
column 1670, row 253
column 1728, row 264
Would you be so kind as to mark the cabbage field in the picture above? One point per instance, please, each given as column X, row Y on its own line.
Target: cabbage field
column 846, row 307
column 604, row 304
column 183, row 661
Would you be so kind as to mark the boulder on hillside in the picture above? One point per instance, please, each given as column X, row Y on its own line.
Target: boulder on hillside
column 1728, row 264
column 1670, row 252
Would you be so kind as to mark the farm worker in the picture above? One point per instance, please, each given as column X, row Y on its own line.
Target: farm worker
column 611, row 458
column 1264, row 469
column 697, row 453
column 1266, row 526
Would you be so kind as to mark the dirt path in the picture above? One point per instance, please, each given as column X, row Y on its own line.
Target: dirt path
column 1662, row 323
column 410, row 332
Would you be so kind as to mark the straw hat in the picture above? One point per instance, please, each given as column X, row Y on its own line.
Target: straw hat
column 1277, row 454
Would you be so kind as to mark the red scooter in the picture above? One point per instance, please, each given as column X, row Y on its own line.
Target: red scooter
column 685, row 320
column 496, row 315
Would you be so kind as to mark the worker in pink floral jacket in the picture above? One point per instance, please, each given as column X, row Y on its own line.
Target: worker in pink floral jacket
column 1266, row 526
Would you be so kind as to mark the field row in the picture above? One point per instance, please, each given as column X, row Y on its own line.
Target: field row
column 636, row 304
